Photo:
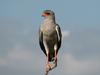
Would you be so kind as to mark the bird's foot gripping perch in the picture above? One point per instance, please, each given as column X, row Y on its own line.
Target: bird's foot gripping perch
column 48, row 68
column 54, row 64
column 51, row 66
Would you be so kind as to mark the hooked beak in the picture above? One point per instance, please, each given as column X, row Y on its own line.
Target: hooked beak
column 44, row 15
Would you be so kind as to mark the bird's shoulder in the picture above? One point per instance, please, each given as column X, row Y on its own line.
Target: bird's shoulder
column 57, row 25
column 58, row 29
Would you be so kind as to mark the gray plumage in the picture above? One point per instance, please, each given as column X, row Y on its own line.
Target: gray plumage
column 50, row 35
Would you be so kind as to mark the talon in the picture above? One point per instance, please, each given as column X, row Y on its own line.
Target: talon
column 48, row 67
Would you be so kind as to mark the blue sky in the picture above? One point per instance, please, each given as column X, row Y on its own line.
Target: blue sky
column 20, row 53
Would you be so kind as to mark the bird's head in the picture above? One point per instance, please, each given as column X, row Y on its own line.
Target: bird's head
column 48, row 13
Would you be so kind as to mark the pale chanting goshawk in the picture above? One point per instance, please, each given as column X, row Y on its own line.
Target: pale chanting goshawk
column 50, row 38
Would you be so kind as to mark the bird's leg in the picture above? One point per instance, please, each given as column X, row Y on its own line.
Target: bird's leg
column 55, row 61
column 47, row 56
column 47, row 67
column 55, row 58
column 47, row 64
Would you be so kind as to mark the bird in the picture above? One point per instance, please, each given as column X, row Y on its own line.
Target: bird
column 50, row 38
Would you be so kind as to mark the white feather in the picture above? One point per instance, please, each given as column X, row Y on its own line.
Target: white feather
column 57, row 33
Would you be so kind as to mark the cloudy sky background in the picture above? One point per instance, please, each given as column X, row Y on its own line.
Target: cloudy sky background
column 20, row 53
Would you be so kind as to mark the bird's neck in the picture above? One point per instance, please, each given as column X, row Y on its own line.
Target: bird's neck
column 49, row 20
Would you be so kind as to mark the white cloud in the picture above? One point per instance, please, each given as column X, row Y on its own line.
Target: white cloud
column 3, row 61
column 73, row 66
column 21, row 59
column 19, row 53
column 65, row 33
